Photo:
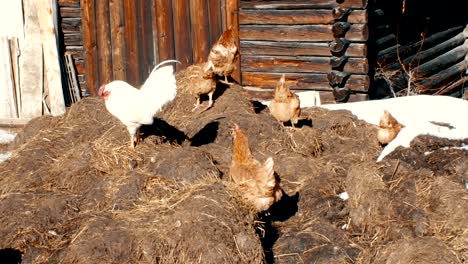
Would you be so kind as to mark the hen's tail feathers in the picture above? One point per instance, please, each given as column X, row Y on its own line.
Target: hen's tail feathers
column 267, row 174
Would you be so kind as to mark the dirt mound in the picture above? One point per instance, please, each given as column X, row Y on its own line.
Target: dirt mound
column 74, row 192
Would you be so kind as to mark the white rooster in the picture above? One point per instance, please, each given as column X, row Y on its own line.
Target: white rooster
column 136, row 107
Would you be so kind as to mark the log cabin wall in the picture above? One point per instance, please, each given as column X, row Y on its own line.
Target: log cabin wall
column 320, row 45
column 124, row 39
column 426, row 40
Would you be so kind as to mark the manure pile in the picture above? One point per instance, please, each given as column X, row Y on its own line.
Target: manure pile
column 73, row 192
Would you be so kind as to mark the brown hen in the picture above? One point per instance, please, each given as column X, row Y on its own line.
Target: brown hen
column 285, row 105
column 223, row 54
column 255, row 180
column 201, row 82
column 388, row 128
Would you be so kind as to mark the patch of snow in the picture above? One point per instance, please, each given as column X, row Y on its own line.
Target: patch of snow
column 439, row 116
column 6, row 137
column 4, row 156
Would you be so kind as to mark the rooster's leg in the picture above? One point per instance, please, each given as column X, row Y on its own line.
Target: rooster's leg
column 132, row 141
column 196, row 105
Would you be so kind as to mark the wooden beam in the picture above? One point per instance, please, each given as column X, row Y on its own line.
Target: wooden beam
column 182, row 40
column 7, row 90
column 145, row 39
column 232, row 21
column 295, row 17
column 299, row 81
column 249, row 47
column 104, row 48
column 117, row 34
column 442, row 78
column 132, row 41
column 357, row 32
column 200, row 33
column 215, row 20
column 295, row 4
column 300, row 64
column 90, row 48
column 164, row 28
column 51, row 59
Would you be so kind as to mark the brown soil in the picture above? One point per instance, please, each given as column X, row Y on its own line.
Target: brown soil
column 73, row 192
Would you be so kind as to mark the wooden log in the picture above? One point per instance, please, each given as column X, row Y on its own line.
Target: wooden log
column 294, row 17
column 90, row 48
column 182, row 40
column 452, row 87
column 232, row 21
column 70, row 12
column 391, row 54
column 75, row 39
column 341, row 94
column 117, row 35
column 300, row 64
column 299, row 81
column 357, row 32
column 200, row 34
column 337, row 78
column 385, row 42
column 72, row 3
column 103, row 34
column 337, row 63
column 442, row 78
column 341, row 13
column 132, row 43
column 338, row 46
column 294, row 4
column 326, row 97
column 431, row 53
column 163, row 16
column 248, row 47
column 339, row 29
column 51, row 59
column 441, row 62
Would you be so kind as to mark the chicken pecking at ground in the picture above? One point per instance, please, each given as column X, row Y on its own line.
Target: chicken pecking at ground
column 255, row 180
column 285, row 105
column 388, row 128
column 201, row 82
column 223, row 54
column 136, row 107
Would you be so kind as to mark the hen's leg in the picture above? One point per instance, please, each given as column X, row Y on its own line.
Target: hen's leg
column 197, row 104
column 133, row 134
column 210, row 102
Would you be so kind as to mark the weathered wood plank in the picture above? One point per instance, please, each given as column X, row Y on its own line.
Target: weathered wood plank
column 183, row 43
column 69, row 2
column 200, row 34
column 145, row 39
column 103, row 41
column 117, row 34
column 7, row 99
column 71, row 25
column 297, row 48
column 70, row 12
column 297, row 17
column 51, row 59
column 357, row 32
column 215, row 20
column 132, row 43
column 74, row 39
column 232, row 21
column 90, row 48
column 300, row 64
column 300, row 81
column 164, row 30
column 295, row 4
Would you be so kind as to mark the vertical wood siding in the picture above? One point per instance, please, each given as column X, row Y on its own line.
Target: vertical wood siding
column 124, row 39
